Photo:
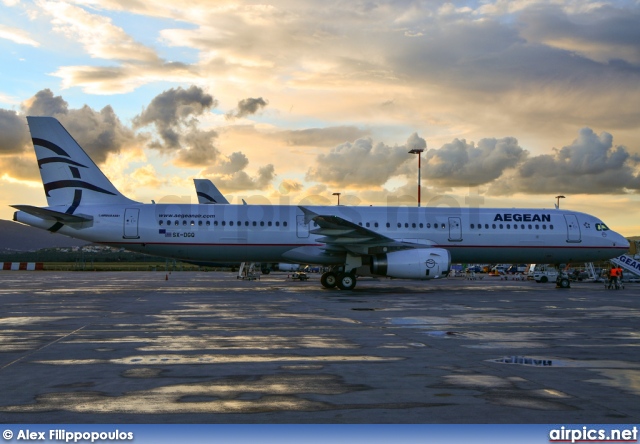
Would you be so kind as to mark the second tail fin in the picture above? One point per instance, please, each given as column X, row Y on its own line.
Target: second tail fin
column 208, row 193
column 69, row 176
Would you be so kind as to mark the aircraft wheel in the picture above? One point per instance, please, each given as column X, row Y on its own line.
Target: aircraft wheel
column 346, row 281
column 329, row 279
column 564, row 283
column 266, row 271
column 544, row 279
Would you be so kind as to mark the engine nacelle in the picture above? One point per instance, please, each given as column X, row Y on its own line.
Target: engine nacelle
column 421, row 263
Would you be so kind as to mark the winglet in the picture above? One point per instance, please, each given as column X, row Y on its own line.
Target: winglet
column 308, row 214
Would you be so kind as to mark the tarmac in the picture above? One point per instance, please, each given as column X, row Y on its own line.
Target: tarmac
column 206, row 347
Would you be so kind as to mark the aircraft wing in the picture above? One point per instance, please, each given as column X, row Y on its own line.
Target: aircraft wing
column 339, row 234
column 43, row 213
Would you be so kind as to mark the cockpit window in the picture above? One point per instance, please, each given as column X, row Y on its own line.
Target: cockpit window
column 601, row 227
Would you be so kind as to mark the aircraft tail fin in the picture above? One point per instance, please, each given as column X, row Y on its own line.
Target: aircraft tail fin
column 208, row 193
column 69, row 176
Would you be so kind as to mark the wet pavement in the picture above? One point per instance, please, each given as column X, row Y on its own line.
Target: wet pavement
column 111, row 347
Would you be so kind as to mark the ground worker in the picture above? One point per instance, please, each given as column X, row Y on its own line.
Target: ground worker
column 613, row 276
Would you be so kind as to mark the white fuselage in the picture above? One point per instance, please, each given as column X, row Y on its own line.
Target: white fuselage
column 278, row 233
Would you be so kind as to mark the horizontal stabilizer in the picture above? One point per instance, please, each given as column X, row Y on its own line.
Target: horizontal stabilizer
column 43, row 213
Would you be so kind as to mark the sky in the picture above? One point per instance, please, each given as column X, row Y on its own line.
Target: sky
column 287, row 102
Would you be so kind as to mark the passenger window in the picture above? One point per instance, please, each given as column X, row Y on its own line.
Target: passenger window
column 284, row 224
column 277, row 223
column 376, row 225
column 255, row 223
column 486, row 226
column 529, row 226
column 399, row 225
column 421, row 225
column 551, row 227
column 160, row 222
column 472, row 226
column 501, row 226
column 413, row 225
column 428, row 224
column 262, row 223
column 269, row 223
column 231, row 223
column 208, row 223
column 184, row 222
column 224, row 223
column 544, row 226
column 200, row 223
column 508, row 226
column 176, row 223
column 246, row 223
column 193, row 223
column 367, row 224
column 168, row 222
column 388, row 225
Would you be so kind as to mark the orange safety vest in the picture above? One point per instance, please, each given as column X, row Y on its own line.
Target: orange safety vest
column 614, row 272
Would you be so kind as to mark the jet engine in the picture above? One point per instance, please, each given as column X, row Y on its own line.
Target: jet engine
column 422, row 263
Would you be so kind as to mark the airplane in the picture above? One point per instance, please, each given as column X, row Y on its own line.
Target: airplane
column 400, row 242
column 208, row 193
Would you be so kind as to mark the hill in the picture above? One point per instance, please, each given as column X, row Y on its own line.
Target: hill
column 17, row 237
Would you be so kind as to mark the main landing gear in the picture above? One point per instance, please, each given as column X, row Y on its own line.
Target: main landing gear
column 340, row 279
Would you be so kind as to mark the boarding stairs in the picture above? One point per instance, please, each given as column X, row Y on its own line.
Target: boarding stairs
column 592, row 272
column 247, row 271
column 630, row 261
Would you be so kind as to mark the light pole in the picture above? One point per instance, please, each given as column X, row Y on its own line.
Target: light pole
column 558, row 201
column 337, row 194
column 418, row 151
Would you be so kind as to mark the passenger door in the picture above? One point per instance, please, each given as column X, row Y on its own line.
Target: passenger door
column 131, row 223
column 455, row 229
column 573, row 228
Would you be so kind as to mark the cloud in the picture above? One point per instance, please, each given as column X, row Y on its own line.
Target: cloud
column 242, row 181
column 359, row 164
column 124, row 78
column 590, row 165
column 174, row 110
column 329, row 136
column 100, row 38
column 200, row 149
column 16, row 35
column 603, row 33
column 20, row 167
column 15, row 135
column 100, row 133
column 146, row 176
column 173, row 114
column 463, row 164
column 247, row 107
column 290, row 186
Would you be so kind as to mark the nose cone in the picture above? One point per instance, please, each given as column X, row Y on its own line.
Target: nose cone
column 621, row 241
